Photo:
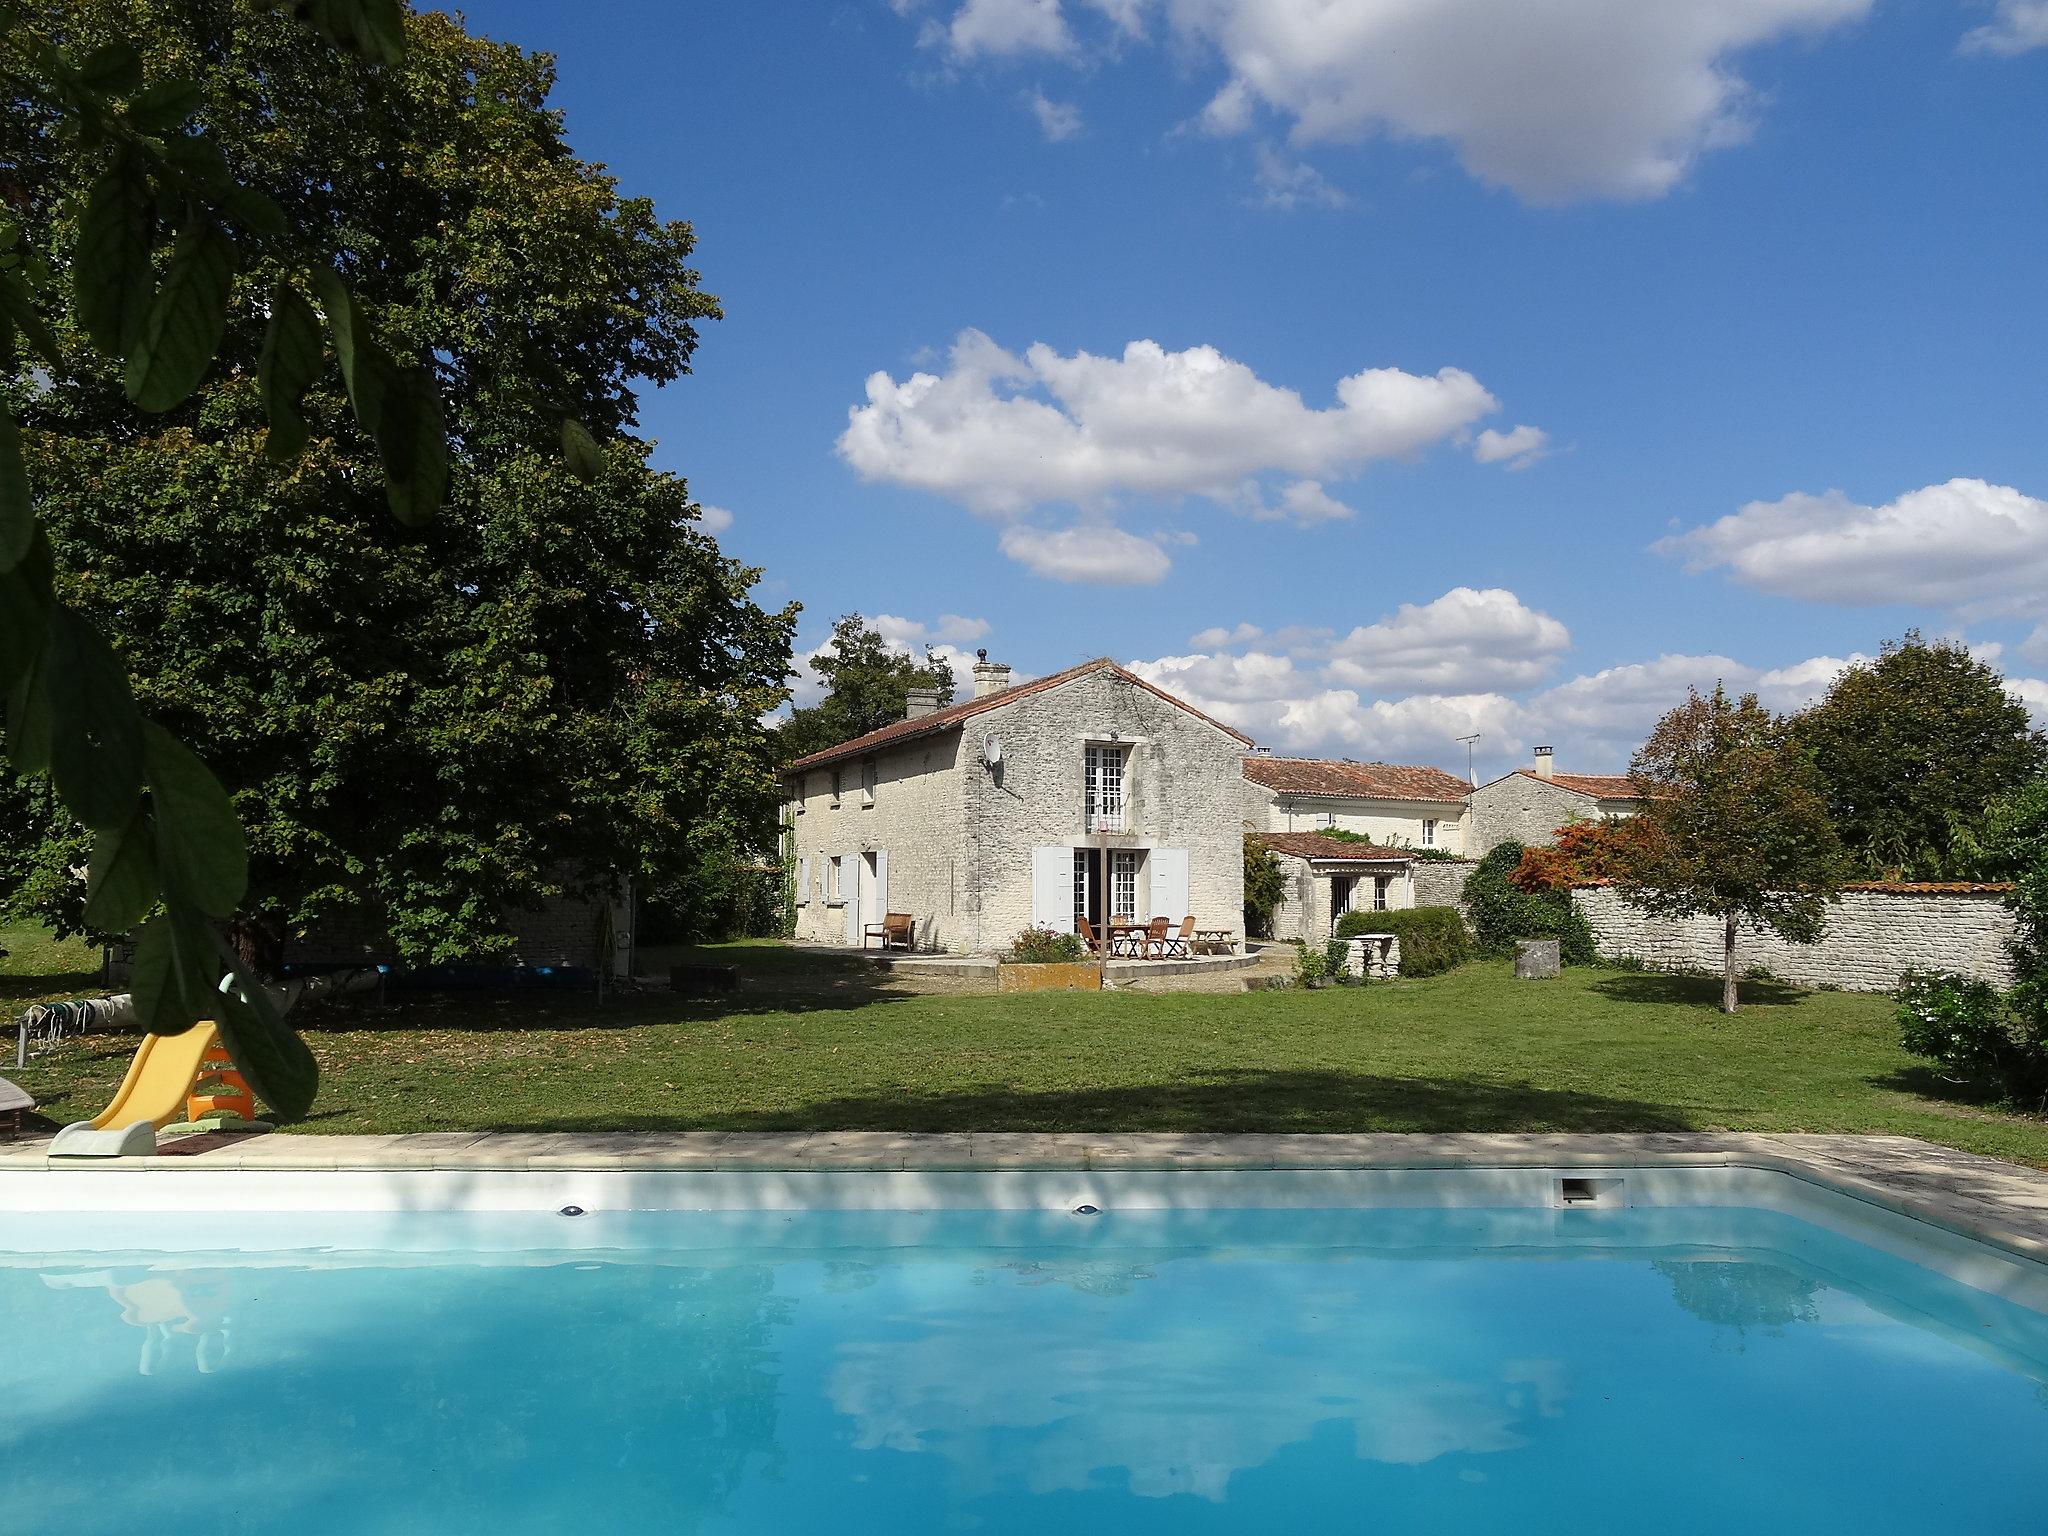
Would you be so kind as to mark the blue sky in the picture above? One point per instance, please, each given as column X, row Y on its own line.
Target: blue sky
column 1761, row 281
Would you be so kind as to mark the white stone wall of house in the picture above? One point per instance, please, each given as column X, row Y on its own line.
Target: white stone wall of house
column 1522, row 809
column 1306, row 908
column 896, row 838
column 1389, row 823
column 1872, row 938
column 1184, row 792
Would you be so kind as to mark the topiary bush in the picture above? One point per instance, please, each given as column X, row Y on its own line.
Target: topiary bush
column 1433, row 939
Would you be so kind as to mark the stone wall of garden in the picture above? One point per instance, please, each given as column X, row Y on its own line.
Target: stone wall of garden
column 1876, row 934
column 1441, row 883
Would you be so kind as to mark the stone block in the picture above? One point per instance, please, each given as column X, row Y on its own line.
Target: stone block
column 1537, row 959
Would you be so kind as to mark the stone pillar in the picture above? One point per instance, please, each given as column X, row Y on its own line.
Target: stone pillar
column 1537, row 959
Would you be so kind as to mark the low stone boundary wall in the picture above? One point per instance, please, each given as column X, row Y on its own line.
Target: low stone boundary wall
column 1440, row 882
column 1874, row 936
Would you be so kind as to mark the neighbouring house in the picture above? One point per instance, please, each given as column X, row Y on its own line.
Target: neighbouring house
column 1329, row 876
column 1530, row 804
column 1393, row 805
column 1086, row 793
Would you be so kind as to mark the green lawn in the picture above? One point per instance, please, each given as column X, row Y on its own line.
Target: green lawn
column 38, row 966
column 819, row 1045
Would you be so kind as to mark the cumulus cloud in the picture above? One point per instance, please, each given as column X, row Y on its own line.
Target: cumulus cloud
column 713, row 519
column 1097, row 554
column 2017, row 26
column 1057, row 120
column 1517, row 449
column 1285, row 182
column 1964, row 545
column 1556, row 103
column 1463, row 640
column 1001, row 433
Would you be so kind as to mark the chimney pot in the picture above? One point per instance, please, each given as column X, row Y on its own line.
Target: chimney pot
column 1544, row 763
column 990, row 676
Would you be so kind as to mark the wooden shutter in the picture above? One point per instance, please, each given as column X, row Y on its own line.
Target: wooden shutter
column 803, row 880
column 1052, row 889
column 881, row 885
column 1170, row 885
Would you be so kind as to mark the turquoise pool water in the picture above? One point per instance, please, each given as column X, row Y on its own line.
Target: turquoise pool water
column 1682, row 1370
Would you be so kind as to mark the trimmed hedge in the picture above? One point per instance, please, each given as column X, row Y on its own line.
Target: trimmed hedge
column 1433, row 939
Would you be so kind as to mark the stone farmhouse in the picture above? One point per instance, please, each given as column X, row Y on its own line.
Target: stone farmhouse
column 1530, row 804
column 1086, row 792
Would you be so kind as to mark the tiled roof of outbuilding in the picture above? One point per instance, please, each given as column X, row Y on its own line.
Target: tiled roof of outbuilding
column 1321, row 847
column 1355, row 781
column 954, row 714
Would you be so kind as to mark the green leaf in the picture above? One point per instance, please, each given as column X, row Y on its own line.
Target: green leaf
column 281, row 1069
column 200, row 848
column 115, row 68
column 175, row 972
column 200, row 156
column 25, row 609
column 412, row 440
column 17, row 502
column 122, row 884
column 257, row 211
column 113, row 279
column 166, row 104
column 291, row 361
column 372, row 30
column 21, row 309
column 580, row 451
column 364, row 368
column 95, row 730
column 182, row 333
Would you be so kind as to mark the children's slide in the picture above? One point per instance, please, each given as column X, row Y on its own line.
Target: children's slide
column 150, row 1096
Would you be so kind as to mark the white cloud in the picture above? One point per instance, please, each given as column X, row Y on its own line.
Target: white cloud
column 1097, row 554
column 945, row 637
column 1006, row 29
column 1517, row 449
column 1218, row 638
column 1001, row 433
column 2035, row 646
column 1556, row 103
column 1965, row 545
column 1288, row 183
column 713, row 519
column 2017, row 26
column 2032, row 692
column 1057, row 120
column 1465, row 639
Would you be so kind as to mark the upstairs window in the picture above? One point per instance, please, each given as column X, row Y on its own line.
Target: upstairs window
column 1429, row 833
column 1103, row 799
column 867, row 784
column 838, row 783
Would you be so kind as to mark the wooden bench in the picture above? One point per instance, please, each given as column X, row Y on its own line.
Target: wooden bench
column 896, row 930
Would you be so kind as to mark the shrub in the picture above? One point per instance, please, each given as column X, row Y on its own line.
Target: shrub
column 1433, row 939
column 1972, row 1030
column 1045, row 946
column 1309, row 965
column 1336, row 956
column 1502, row 912
column 1264, row 888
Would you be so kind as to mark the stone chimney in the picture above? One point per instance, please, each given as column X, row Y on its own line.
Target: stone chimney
column 989, row 676
column 920, row 702
column 1543, row 763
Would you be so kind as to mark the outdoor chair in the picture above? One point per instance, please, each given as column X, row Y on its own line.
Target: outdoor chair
column 1087, row 931
column 1180, row 945
column 1154, row 947
column 896, row 930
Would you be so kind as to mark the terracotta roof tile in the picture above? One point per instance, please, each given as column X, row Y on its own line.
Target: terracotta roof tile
column 1358, row 781
column 1601, row 786
column 955, row 714
column 1319, row 845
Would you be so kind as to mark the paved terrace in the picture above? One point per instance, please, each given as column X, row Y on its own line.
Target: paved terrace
column 1979, row 1197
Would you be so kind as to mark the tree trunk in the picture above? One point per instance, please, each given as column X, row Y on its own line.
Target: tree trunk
column 1728, row 963
column 258, row 947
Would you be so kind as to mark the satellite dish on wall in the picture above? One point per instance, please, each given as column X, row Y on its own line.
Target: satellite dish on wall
column 992, row 749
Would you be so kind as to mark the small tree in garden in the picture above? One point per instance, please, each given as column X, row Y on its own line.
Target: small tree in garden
column 1581, row 851
column 1734, row 825
column 1265, row 886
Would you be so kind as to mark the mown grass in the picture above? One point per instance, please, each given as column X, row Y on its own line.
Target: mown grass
column 820, row 1044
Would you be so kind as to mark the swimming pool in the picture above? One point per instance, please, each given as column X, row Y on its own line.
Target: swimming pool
column 1677, row 1350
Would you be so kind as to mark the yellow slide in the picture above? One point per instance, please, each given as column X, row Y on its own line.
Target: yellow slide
column 151, row 1096
column 158, row 1079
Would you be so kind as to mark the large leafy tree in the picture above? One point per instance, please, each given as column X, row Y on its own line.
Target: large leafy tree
column 1734, row 826
column 425, row 724
column 1913, row 747
column 867, row 685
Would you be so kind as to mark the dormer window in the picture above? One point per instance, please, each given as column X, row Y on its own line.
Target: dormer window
column 1103, row 790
